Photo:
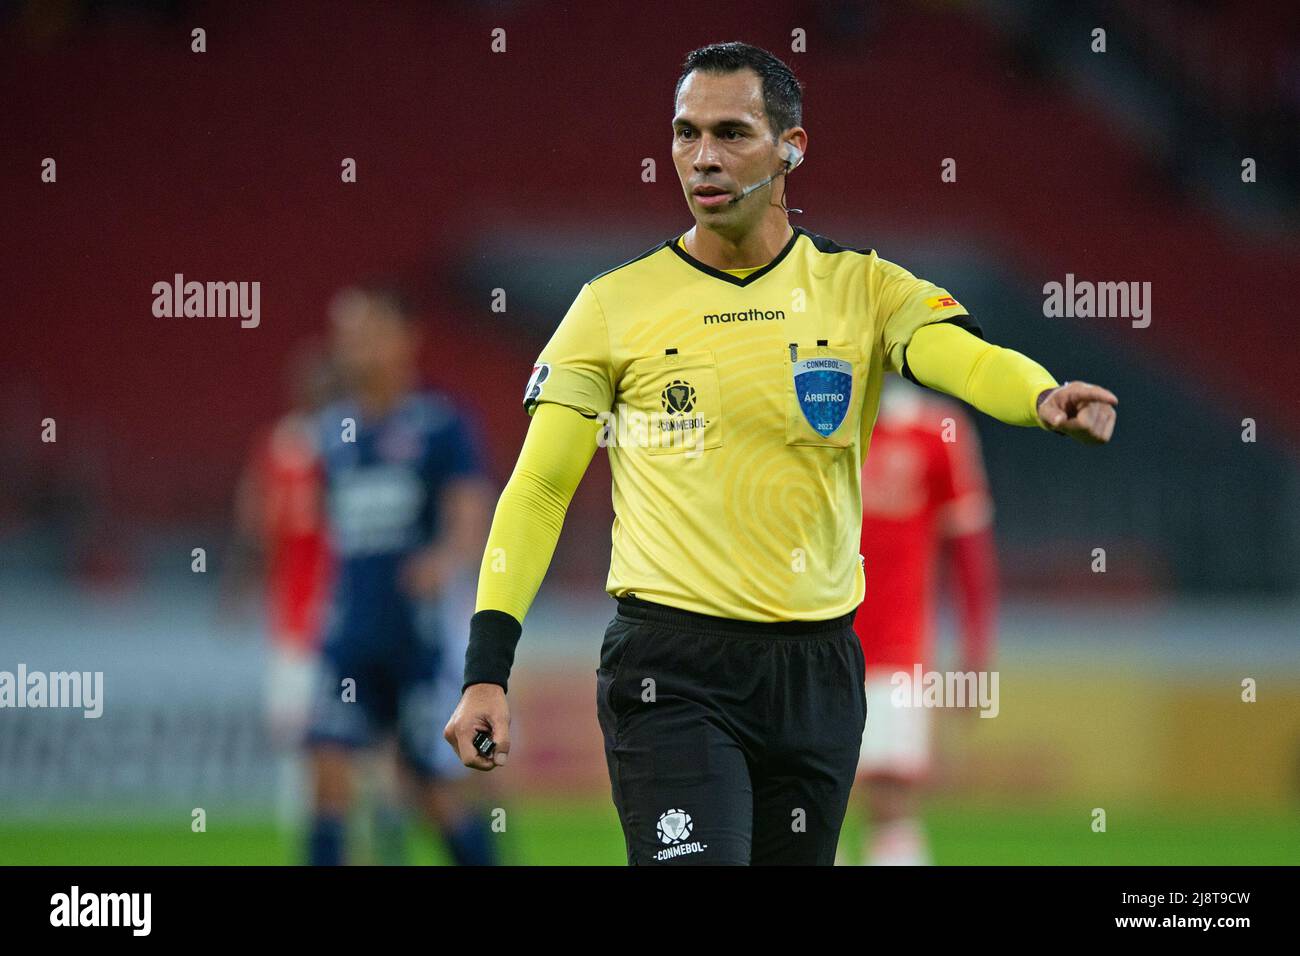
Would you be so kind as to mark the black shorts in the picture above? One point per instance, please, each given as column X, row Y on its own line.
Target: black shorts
column 729, row 742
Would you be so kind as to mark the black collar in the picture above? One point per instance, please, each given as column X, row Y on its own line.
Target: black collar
column 690, row 260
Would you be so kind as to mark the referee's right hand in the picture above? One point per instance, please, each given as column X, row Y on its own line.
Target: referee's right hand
column 481, row 707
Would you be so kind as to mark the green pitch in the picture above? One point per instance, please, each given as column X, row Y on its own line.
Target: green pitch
column 587, row 833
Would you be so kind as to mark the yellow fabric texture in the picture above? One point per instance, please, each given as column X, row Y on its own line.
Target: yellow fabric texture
column 999, row 382
column 526, row 526
column 731, row 495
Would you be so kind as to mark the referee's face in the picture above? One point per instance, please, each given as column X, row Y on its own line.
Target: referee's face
column 722, row 143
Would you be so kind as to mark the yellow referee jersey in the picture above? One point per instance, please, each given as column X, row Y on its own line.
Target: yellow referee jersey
column 738, row 409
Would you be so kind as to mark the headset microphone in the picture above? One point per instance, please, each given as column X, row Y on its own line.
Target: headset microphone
column 792, row 156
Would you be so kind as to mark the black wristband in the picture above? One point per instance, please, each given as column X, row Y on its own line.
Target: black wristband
column 491, row 652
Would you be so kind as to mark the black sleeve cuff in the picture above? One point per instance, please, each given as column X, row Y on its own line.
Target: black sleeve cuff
column 491, row 652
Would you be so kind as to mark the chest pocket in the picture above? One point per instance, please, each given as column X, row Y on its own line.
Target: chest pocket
column 677, row 404
column 823, row 395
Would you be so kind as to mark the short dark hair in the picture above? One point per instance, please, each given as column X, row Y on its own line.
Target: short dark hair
column 782, row 93
column 390, row 294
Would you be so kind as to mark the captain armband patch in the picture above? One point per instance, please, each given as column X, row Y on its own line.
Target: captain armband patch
column 536, row 383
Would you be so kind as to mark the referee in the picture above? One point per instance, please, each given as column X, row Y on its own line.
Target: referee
column 733, row 374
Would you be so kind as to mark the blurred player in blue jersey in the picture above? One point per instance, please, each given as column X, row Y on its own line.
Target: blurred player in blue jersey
column 408, row 509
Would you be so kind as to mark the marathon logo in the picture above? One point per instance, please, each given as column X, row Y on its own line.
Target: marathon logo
column 749, row 315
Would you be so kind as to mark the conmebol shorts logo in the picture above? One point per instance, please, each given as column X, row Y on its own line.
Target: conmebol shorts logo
column 674, row 829
column 674, row 826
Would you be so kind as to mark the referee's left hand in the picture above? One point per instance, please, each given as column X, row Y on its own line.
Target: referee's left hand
column 1084, row 412
column 481, row 707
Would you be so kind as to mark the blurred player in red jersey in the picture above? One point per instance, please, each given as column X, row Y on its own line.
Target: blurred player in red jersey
column 923, row 484
column 280, row 513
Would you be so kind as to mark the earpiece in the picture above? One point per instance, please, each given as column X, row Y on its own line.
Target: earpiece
column 792, row 156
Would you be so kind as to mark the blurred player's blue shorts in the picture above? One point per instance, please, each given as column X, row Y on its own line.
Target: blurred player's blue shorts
column 407, row 682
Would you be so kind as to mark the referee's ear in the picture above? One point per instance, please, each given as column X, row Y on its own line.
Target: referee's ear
column 794, row 146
